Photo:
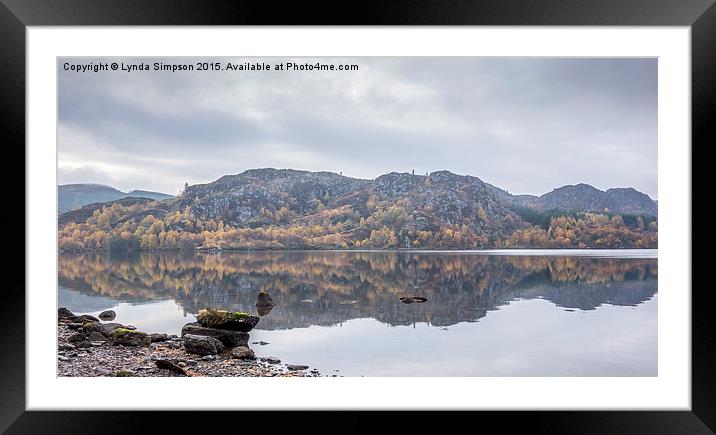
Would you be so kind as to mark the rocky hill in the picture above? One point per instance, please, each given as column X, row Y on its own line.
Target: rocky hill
column 585, row 198
column 75, row 196
column 285, row 208
column 420, row 203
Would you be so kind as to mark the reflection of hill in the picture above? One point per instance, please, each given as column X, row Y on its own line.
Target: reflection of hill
column 459, row 287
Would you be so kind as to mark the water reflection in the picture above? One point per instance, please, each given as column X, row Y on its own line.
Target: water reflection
column 330, row 288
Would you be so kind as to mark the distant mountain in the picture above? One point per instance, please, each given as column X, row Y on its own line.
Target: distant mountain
column 585, row 198
column 75, row 196
column 292, row 209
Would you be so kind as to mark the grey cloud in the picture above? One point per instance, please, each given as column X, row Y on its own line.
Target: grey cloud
column 524, row 124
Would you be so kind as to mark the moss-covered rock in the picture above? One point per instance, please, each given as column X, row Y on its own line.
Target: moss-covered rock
column 231, row 320
column 128, row 337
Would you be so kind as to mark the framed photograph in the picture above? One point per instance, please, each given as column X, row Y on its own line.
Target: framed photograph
column 407, row 209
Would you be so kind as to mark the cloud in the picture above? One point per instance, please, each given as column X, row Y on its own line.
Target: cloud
column 526, row 124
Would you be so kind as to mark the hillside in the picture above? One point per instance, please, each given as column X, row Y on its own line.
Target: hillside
column 291, row 209
column 585, row 198
column 75, row 196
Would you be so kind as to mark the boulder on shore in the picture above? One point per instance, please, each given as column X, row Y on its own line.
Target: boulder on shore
column 227, row 337
column 294, row 367
column 202, row 345
column 65, row 313
column 128, row 337
column 66, row 316
column 243, row 352
column 168, row 365
column 102, row 328
column 231, row 320
column 77, row 337
column 157, row 337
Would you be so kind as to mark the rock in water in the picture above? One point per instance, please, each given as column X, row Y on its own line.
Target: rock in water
column 412, row 299
column 231, row 320
column 243, row 352
column 227, row 337
column 262, row 311
column 264, row 300
column 202, row 345
column 127, row 337
column 107, row 315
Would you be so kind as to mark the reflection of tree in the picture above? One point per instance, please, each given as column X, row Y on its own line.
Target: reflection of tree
column 460, row 287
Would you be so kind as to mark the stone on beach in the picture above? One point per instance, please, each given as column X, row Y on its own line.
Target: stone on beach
column 76, row 337
column 158, row 337
column 202, row 345
column 128, row 337
column 227, row 337
column 107, row 360
column 96, row 336
column 64, row 313
column 66, row 316
column 168, row 365
column 296, row 367
column 243, row 352
column 107, row 315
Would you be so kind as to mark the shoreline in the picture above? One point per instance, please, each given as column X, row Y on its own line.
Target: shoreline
column 602, row 252
column 103, row 359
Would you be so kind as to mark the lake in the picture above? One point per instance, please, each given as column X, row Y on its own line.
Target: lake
column 495, row 313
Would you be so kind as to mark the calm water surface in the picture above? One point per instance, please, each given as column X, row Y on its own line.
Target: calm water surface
column 585, row 313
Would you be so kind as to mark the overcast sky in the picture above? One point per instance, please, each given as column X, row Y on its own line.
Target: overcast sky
column 526, row 125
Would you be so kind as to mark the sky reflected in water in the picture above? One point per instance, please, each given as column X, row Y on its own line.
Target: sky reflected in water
column 486, row 315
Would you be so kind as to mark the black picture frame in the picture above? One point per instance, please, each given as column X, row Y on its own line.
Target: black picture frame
column 16, row 15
